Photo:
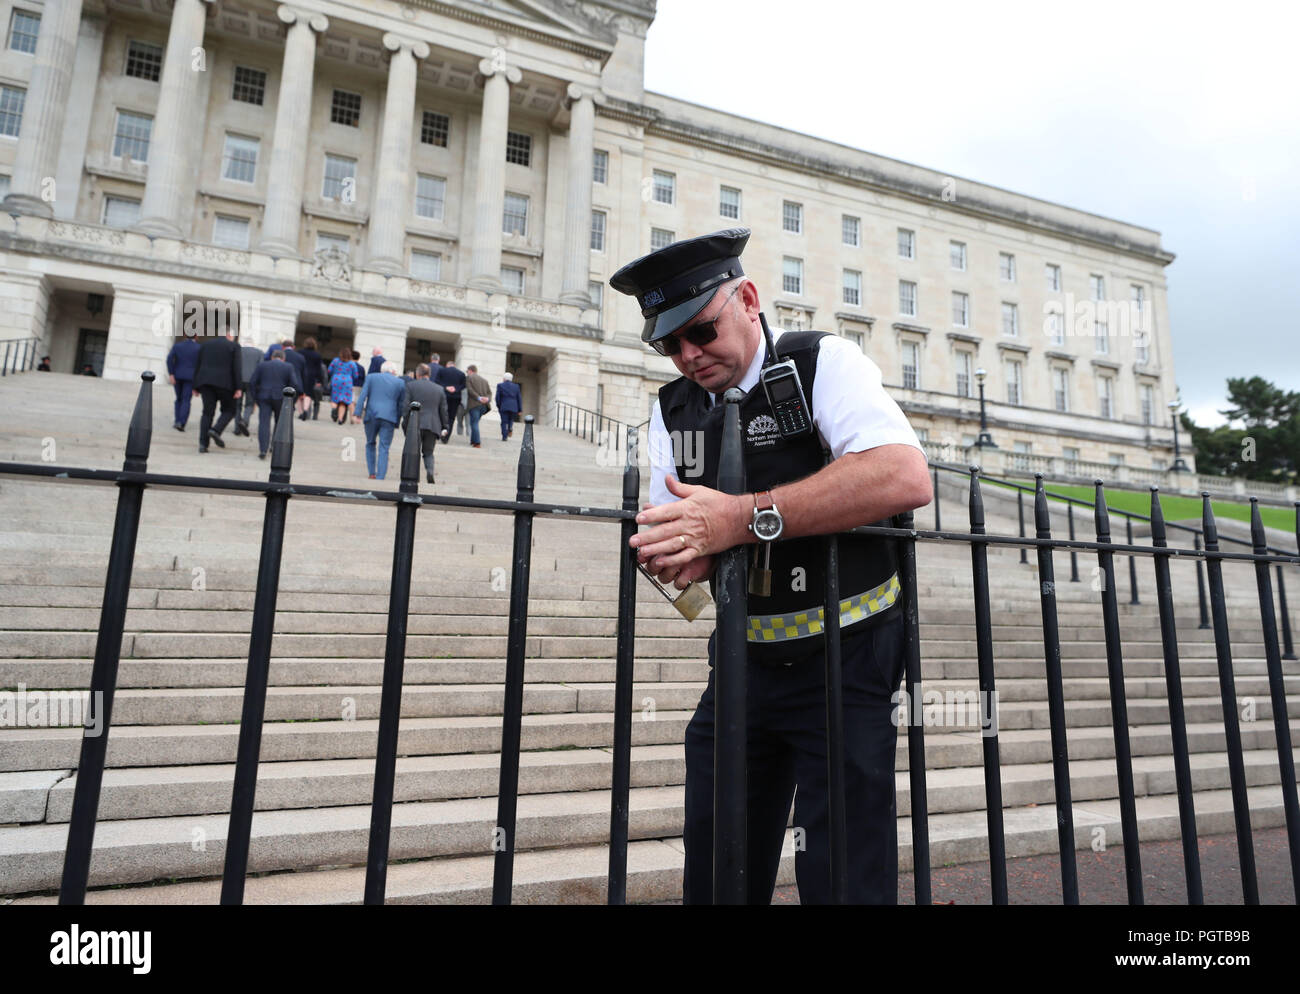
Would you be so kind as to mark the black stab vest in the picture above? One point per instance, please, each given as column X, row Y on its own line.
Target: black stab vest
column 798, row 564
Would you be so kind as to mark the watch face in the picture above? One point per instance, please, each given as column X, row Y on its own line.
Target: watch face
column 768, row 525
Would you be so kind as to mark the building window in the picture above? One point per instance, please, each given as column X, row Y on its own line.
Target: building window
column 1102, row 331
column 340, row 179
column 792, row 275
column 906, row 298
column 11, row 110
column 131, row 137
column 599, row 166
column 1140, row 324
column 1061, row 388
column 1010, row 320
column 249, row 86
column 852, row 287
column 519, row 148
column 5, row 182
column 957, row 256
column 961, row 309
column 1106, row 396
column 1141, row 348
column 513, row 280
column 121, row 212
column 426, row 265
column 855, row 337
column 1056, row 327
column 665, row 187
column 729, row 202
column 144, row 61
column 792, row 217
column 598, row 231
column 1148, row 404
column 1053, row 276
column 515, row 221
column 965, row 362
column 239, row 159
column 1007, row 267
column 1096, row 287
column 661, row 238
column 1015, row 379
column 434, row 128
column 906, row 244
column 430, row 196
column 1070, row 454
column 1158, row 464
column 1116, row 458
column 325, row 240
column 24, row 26
column 911, row 366
column 596, row 291
column 345, row 108
column 230, row 232
column 851, row 231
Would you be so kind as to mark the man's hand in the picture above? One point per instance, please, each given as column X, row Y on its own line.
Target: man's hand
column 238, row 394
column 171, row 379
column 704, row 522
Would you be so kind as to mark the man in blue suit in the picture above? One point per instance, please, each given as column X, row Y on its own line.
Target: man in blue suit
column 267, row 384
column 509, row 404
column 182, row 361
column 383, row 396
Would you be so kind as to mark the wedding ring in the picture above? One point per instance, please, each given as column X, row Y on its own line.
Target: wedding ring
column 683, row 539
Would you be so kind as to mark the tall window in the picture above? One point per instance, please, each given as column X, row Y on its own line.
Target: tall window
column 430, row 196
column 965, row 362
column 121, row 212
column 1148, row 404
column 961, row 309
column 1056, row 327
column 729, row 202
column 239, row 159
column 4, row 185
column 1102, row 331
column 1007, row 267
column 1010, row 319
column 792, row 217
column 906, row 244
column 426, row 265
column 855, row 337
column 1053, row 276
column 515, row 220
column 598, row 231
column 1015, row 380
column 249, row 86
column 792, row 275
column 326, row 240
column 1097, row 287
column 957, row 255
column 661, row 238
column 1142, row 348
column 24, row 26
column 665, row 187
column 906, row 298
column 512, row 279
column 434, row 128
column 12, row 99
column 1061, row 388
column 852, row 287
column 1141, row 324
column 340, row 179
column 911, row 366
column 1106, row 396
column 851, row 230
column 596, row 291
column 230, row 232
column 144, row 60
column 345, row 108
column 599, row 166
column 131, row 137
column 519, row 148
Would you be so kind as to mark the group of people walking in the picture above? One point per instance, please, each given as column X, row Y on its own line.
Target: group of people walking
column 223, row 373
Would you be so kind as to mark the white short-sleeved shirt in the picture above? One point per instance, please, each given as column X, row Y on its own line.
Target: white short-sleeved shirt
column 850, row 409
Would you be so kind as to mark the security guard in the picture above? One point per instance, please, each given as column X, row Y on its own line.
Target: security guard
column 702, row 312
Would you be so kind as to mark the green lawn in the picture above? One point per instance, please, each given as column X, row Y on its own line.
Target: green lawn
column 1176, row 508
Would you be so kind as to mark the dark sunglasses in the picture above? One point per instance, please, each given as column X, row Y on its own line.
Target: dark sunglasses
column 698, row 335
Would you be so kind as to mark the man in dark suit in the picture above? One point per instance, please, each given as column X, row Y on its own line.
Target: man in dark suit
column 433, row 414
column 297, row 362
column 250, row 356
column 509, row 404
column 376, row 360
column 182, row 361
column 452, row 380
column 218, row 377
column 268, row 383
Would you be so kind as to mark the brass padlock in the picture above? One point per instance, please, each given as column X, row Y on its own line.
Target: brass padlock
column 760, row 577
column 689, row 603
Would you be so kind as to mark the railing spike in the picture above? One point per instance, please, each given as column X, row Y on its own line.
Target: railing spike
column 140, row 435
column 282, row 440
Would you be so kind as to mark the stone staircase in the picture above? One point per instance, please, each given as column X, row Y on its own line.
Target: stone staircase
column 166, row 791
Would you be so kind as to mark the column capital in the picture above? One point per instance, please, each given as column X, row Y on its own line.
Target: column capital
column 489, row 67
column 315, row 20
column 576, row 91
column 397, row 43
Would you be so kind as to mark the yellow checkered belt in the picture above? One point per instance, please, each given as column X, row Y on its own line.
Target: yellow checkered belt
column 804, row 624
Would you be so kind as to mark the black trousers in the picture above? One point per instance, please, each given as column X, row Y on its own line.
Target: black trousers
column 268, row 416
column 787, row 757
column 244, row 406
column 428, row 440
column 211, row 395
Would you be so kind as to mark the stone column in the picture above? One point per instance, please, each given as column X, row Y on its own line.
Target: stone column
column 485, row 269
column 170, row 175
column 282, row 218
column 392, row 196
column 24, row 306
column 139, row 333
column 390, row 338
column 76, row 127
column 43, row 110
column 577, row 208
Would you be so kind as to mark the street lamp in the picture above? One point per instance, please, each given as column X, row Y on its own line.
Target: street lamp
column 1179, row 466
column 985, row 441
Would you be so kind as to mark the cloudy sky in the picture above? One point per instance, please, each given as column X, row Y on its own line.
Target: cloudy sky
column 1177, row 118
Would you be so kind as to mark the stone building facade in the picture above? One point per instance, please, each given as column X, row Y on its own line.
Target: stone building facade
column 463, row 176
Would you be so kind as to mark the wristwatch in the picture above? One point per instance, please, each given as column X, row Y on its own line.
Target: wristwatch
column 767, row 524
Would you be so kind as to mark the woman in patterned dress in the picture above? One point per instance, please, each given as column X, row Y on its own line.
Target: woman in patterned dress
column 340, row 376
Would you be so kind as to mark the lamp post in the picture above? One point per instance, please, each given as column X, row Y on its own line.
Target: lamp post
column 985, row 441
column 1179, row 466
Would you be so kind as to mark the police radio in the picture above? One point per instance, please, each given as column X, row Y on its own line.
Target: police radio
column 784, row 391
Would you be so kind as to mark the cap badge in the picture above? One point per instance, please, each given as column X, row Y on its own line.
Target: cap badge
column 652, row 298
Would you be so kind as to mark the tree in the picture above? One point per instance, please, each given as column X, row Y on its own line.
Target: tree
column 1262, row 438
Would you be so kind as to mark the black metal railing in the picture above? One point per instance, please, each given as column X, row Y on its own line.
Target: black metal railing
column 18, row 355
column 592, row 426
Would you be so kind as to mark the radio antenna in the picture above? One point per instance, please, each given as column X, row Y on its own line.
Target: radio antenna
column 767, row 334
